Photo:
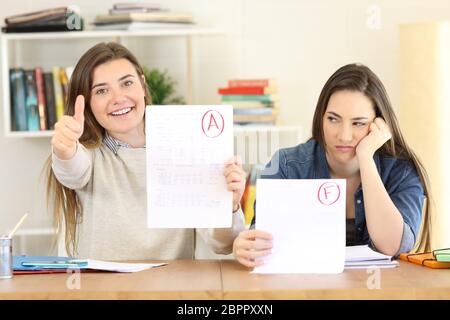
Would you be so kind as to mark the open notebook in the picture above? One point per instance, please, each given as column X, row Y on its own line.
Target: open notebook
column 362, row 257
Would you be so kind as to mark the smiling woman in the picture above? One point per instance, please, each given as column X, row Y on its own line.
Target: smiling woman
column 356, row 136
column 117, row 101
column 97, row 169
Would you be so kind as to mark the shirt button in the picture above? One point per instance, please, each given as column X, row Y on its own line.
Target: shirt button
column 358, row 201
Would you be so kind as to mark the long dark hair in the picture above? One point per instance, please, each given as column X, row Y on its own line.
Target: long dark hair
column 64, row 201
column 357, row 77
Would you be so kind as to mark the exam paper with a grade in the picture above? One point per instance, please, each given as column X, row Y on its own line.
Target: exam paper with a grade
column 187, row 147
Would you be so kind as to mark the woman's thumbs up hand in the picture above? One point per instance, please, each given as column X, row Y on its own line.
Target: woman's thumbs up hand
column 67, row 132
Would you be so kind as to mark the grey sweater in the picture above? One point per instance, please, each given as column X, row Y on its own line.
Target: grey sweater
column 112, row 191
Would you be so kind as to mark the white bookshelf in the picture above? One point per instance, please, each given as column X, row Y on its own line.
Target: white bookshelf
column 249, row 139
column 11, row 43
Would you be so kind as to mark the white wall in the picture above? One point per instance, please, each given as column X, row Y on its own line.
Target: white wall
column 299, row 43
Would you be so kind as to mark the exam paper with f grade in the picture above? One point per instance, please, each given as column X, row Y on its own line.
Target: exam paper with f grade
column 307, row 221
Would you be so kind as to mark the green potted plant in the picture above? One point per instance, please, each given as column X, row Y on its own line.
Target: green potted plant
column 162, row 87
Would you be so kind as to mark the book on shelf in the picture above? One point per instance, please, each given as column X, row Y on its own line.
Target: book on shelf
column 146, row 16
column 248, row 203
column 43, row 28
column 69, row 71
column 57, row 87
column 31, row 101
column 18, row 102
column 47, row 21
column 40, row 91
column 37, row 98
column 253, row 100
column 247, row 90
column 132, row 10
column 252, row 104
column 251, row 83
column 50, row 100
column 136, row 5
column 245, row 118
column 137, row 25
column 250, row 97
column 36, row 15
column 64, row 84
column 245, row 196
column 50, row 20
column 255, row 111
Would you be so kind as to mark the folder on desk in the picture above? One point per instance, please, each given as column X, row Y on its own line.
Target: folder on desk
column 49, row 264
column 428, row 259
column 45, row 264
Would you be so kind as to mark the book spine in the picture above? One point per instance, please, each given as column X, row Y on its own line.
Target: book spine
column 31, row 101
column 69, row 71
column 50, row 100
column 251, row 104
column 249, row 97
column 59, row 102
column 246, row 90
column 18, row 100
column 254, row 118
column 249, row 210
column 64, row 84
column 38, row 73
column 249, row 83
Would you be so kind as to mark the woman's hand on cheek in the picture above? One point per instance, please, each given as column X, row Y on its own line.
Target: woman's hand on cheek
column 379, row 134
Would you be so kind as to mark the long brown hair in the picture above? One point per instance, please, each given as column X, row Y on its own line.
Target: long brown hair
column 66, row 206
column 357, row 77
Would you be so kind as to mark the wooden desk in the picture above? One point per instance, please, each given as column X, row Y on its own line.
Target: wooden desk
column 202, row 279
column 408, row 281
column 181, row 279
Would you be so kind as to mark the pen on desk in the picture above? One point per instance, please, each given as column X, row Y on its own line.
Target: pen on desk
column 10, row 235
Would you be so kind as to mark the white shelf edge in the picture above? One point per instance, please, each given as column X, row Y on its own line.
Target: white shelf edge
column 29, row 134
column 111, row 33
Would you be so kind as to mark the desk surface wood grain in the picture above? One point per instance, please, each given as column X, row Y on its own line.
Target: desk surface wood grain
column 226, row 279
column 408, row 281
column 180, row 279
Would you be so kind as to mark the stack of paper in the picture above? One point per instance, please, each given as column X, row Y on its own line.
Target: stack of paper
column 361, row 257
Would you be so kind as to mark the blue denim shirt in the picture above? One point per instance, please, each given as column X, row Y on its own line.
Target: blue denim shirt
column 308, row 161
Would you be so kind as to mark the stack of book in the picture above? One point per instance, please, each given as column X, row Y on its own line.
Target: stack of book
column 254, row 101
column 363, row 257
column 49, row 20
column 141, row 16
column 38, row 97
